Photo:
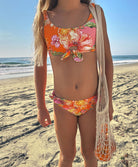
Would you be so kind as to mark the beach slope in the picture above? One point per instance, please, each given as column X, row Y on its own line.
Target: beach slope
column 24, row 143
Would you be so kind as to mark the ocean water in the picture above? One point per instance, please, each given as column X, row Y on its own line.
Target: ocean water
column 18, row 67
column 124, row 59
column 24, row 66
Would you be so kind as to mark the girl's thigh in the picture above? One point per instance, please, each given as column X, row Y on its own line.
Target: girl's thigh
column 87, row 127
column 66, row 129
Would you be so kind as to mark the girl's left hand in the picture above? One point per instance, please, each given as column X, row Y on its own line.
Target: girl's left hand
column 111, row 110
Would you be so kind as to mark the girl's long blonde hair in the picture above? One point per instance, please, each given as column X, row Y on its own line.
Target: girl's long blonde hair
column 38, row 29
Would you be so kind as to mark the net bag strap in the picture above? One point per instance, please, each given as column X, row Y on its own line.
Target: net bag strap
column 105, row 144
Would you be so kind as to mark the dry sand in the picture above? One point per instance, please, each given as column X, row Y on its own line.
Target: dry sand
column 24, row 143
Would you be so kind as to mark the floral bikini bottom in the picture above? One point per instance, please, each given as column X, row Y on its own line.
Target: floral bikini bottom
column 76, row 107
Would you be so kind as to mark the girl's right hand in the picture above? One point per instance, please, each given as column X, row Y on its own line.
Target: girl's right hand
column 43, row 117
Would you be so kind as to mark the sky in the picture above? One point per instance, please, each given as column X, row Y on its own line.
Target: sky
column 16, row 32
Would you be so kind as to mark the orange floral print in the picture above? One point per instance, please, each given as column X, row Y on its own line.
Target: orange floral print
column 76, row 107
column 70, row 41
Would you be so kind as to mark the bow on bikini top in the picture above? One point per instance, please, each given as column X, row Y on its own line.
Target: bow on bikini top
column 70, row 41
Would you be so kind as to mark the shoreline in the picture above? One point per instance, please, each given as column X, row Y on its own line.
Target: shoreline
column 126, row 67
column 116, row 67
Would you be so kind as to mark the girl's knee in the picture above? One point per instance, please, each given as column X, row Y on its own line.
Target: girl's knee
column 89, row 158
column 68, row 156
column 87, row 153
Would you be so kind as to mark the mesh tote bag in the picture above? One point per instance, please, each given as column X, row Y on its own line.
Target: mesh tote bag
column 105, row 144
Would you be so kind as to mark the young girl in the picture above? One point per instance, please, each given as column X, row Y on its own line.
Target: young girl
column 67, row 30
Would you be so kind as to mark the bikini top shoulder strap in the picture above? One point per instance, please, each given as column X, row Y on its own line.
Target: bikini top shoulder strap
column 45, row 14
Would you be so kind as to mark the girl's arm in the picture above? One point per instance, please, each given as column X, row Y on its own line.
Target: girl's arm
column 40, row 78
column 108, row 64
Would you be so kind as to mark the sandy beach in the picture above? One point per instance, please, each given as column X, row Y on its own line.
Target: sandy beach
column 24, row 143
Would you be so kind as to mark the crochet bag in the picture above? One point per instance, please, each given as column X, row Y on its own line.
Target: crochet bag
column 105, row 144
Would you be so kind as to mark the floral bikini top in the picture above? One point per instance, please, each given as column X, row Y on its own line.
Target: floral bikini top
column 70, row 41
